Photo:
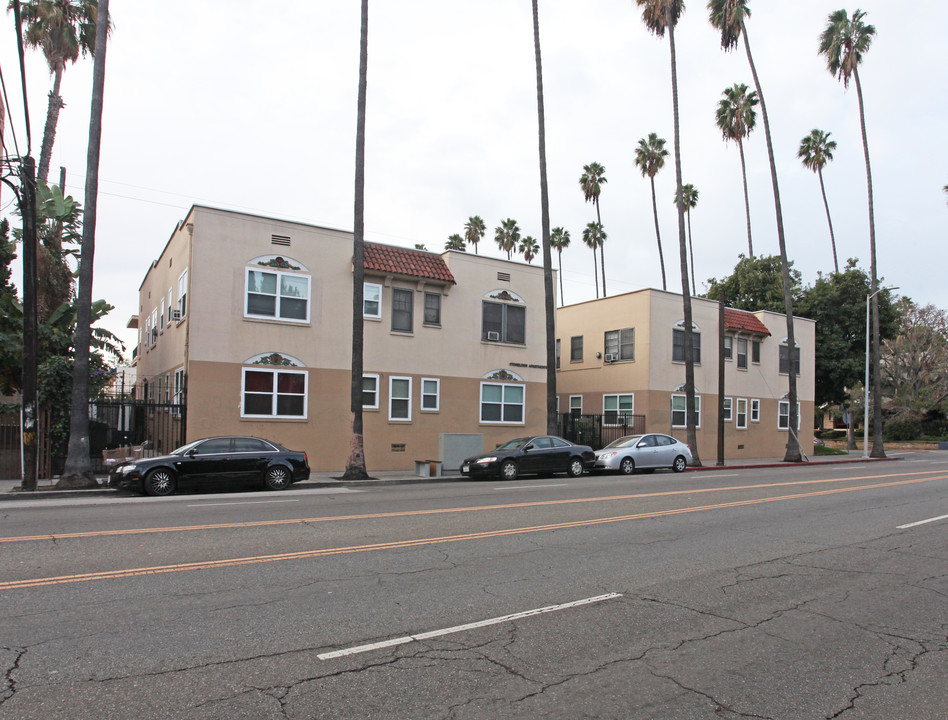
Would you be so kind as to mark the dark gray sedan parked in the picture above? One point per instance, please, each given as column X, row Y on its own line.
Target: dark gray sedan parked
column 217, row 461
column 534, row 455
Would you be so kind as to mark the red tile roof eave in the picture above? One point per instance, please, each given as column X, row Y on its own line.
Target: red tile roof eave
column 742, row 320
column 406, row 263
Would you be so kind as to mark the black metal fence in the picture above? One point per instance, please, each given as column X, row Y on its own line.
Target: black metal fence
column 598, row 431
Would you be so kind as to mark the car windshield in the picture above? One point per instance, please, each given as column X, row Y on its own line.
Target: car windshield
column 624, row 442
column 514, row 444
column 184, row 448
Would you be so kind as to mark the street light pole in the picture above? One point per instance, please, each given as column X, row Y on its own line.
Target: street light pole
column 865, row 423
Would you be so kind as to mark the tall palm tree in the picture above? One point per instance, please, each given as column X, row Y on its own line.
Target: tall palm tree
column 529, row 248
column 455, row 242
column 559, row 241
column 62, row 29
column 690, row 193
column 660, row 16
column 728, row 17
column 507, row 236
column 736, row 118
column 549, row 299
column 816, row 149
column 474, row 230
column 355, row 463
column 593, row 237
column 591, row 181
column 843, row 43
column 77, row 472
column 650, row 157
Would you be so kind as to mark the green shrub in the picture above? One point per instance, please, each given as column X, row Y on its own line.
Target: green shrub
column 902, row 429
column 832, row 435
column 823, row 450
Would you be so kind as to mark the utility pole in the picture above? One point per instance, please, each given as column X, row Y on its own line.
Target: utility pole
column 29, row 424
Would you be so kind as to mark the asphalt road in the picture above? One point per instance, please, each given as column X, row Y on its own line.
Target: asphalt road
column 817, row 592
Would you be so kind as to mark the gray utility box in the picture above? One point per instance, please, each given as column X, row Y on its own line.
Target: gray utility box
column 454, row 447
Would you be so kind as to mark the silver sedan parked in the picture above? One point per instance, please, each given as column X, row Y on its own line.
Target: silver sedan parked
column 643, row 452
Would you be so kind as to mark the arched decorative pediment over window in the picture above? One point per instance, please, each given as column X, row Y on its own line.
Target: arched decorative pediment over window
column 786, row 341
column 502, row 375
column 681, row 325
column 504, row 296
column 279, row 262
column 274, row 358
column 681, row 388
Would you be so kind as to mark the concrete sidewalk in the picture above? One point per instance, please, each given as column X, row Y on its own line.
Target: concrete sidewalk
column 10, row 489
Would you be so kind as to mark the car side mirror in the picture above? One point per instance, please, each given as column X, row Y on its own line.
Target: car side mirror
column 192, row 452
column 641, row 444
column 528, row 448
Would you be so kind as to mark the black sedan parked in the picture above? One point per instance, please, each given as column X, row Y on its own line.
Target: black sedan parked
column 217, row 461
column 537, row 455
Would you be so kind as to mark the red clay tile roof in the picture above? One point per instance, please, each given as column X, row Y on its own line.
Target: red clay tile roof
column 743, row 321
column 392, row 260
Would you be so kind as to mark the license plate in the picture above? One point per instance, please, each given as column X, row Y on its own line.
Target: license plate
column 465, row 468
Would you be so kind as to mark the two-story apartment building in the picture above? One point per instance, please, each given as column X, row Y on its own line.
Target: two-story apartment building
column 249, row 317
column 625, row 355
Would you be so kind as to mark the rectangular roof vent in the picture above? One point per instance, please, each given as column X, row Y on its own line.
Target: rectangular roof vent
column 505, row 277
column 280, row 240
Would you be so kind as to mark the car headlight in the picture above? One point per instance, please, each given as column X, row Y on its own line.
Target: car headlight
column 126, row 469
column 485, row 460
column 606, row 456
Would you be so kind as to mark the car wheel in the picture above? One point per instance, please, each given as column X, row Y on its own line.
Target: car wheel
column 576, row 467
column 159, row 483
column 277, row 478
column 508, row 470
column 627, row 466
column 680, row 464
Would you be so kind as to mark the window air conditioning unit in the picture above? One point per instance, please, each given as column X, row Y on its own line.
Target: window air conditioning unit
column 610, row 357
column 175, row 314
column 493, row 335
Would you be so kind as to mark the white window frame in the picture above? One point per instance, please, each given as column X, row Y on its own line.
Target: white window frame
column 276, row 372
column 183, row 293
column 365, row 288
column 436, row 394
column 683, row 410
column 161, row 317
column 392, row 398
column 503, row 403
column 618, row 411
column 279, row 274
column 576, row 406
column 170, row 306
column 375, row 392
column 742, row 363
column 741, row 424
column 781, row 414
column 755, row 410
column 728, row 348
column 728, row 409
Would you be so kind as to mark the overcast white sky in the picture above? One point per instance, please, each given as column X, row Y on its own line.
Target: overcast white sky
column 252, row 106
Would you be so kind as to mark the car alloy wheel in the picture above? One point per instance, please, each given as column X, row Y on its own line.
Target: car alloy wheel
column 277, row 478
column 680, row 464
column 627, row 466
column 575, row 467
column 508, row 470
column 159, row 483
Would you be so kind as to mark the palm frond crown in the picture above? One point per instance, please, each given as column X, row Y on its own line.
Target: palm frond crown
column 650, row 155
column 728, row 17
column 844, row 41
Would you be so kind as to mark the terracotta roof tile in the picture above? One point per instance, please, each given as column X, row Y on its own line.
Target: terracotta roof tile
column 392, row 260
column 744, row 321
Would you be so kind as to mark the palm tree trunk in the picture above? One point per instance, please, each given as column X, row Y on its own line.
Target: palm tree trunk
column 52, row 120
column 691, row 418
column 602, row 254
column 793, row 443
column 691, row 255
column 596, row 271
column 355, row 465
column 747, row 207
column 828, row 220
column 658, row 236
column 77, row 473
column 548, row 290
column 559, row 254
column 878, row 450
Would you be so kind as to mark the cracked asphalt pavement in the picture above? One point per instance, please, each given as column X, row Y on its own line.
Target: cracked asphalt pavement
column 765, row 593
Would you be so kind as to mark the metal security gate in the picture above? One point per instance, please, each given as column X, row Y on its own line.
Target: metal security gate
column 597, row 431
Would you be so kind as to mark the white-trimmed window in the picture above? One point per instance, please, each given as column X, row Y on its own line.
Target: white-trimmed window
column 741, row 414
column 742, row 353
column 399, row 399
column 274, row 393
column 170, row 306
column 370, row 392
column 679, row 416
column 783, row 415
column 728, row 407
column 728, row 347
column 432, row 309
column 755, row 410
column 430, row 394
column 183, row 293
column 403, row 310
column 502, row 403
column 620, row 344
column 372, row 300
column 575, row 405
column 154, row 326
column 277, row 294
column 161, row 317
column 617, row 408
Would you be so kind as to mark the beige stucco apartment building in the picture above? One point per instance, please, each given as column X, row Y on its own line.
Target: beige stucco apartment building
column 624, row 355
column 252, row 316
